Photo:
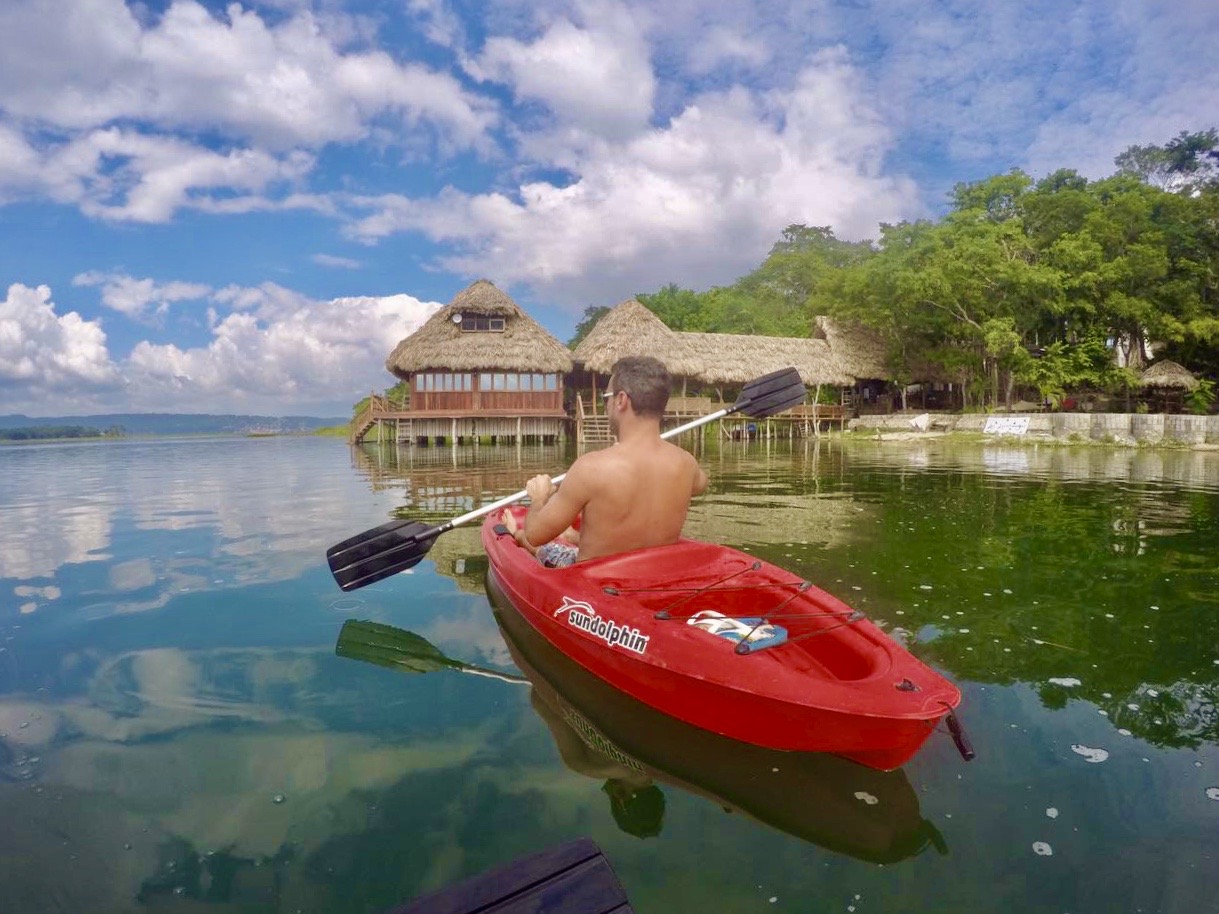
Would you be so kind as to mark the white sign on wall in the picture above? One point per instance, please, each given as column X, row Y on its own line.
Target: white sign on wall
column 1006, row 425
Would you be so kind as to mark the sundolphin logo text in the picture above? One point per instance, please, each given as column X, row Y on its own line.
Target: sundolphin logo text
column 581, row 615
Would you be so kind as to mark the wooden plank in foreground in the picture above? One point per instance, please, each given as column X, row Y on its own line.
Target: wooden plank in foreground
column 572, row 878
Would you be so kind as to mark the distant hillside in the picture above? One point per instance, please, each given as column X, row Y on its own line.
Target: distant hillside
column 179, row 423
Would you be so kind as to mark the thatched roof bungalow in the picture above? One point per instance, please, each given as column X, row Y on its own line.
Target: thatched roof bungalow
column 481, row 329
column 712, row 358
column 631, row 329
column 730, row 358
column 478, row 357
column 857, row 350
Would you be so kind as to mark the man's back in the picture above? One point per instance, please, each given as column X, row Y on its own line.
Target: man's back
column 638, row 494
column 633, row 494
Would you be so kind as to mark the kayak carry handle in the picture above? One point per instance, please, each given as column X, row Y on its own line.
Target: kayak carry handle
column 964, row 746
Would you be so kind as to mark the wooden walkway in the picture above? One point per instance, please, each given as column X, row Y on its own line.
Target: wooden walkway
column 800, row 421
column 591, row 426
column 415, row 426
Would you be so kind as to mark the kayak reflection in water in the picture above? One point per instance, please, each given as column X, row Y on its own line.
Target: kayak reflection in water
column 637, row 753
column 605, row 734
column 631, row 495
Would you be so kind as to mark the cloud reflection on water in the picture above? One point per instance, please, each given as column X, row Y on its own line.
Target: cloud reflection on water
column 236, row 505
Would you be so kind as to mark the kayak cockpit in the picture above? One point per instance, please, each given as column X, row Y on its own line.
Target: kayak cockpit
column 756, row 607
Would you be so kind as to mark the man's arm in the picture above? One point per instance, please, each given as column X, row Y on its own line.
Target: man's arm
column 554, row 510
column 701, row 481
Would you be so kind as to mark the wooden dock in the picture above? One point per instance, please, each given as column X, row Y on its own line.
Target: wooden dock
column 384, row 421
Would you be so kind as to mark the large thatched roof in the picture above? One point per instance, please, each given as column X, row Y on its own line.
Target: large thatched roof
column 442, row 345
column 1168, row 373
column 730, row 358
column 631, row 329
column 857, row 350
column 861, row 352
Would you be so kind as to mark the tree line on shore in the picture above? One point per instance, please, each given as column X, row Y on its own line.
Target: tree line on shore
column 1051, row 286
column 57, row 432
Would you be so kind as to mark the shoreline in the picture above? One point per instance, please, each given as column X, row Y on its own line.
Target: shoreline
column 175, row 436
column 1134, row 431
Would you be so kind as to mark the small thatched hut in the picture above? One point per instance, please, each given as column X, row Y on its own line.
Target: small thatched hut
column 1167, row 373
column 481, row 356
column 631, row 329
column 1166, row 383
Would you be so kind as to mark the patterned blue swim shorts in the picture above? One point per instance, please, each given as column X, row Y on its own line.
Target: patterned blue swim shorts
column 557, row 555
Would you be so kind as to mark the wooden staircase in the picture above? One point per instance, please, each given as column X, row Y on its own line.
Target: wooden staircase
column 364, row 420
column 596, row 430
column 591, row 429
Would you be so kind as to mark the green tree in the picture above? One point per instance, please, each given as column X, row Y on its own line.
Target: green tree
column 781, row 289
column 677, row 308
column 592, row 314
column 1185, row 164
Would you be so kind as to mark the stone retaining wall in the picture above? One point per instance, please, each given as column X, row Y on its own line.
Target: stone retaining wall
column 1120, row 428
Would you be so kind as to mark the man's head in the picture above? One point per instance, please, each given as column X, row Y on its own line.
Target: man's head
column 645, row 381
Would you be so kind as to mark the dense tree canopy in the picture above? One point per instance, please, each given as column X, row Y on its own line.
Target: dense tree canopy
column 1050, row 285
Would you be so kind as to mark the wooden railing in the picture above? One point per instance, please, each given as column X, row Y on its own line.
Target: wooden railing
column 475, row 400
column 690, row 406
column 377, row 406
column 818, row 412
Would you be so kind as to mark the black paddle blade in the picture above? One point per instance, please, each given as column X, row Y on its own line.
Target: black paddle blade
column 380, row 552
column 771, row 394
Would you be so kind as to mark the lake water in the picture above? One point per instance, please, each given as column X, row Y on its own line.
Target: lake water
column 182, row 726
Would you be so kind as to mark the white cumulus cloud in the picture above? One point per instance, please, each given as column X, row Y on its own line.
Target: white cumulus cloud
column 134, row 297
column 123, row 175
column 332, row 260
column 698, row 202
column 597, row 75
column 281, row 351
column 83, row 64
column 44, row 354
column 272, row 350
column 132, row 116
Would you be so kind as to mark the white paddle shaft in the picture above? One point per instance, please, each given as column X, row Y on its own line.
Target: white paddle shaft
column 512, row 499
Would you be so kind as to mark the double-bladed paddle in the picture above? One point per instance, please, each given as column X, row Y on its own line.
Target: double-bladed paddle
column 401, row 544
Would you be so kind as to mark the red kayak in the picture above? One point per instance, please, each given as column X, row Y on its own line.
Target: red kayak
column 731, row 644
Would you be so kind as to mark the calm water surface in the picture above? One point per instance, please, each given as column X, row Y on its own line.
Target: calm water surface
column 186, row 722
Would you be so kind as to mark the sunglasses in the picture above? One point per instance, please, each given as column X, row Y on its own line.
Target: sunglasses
column 610, row 394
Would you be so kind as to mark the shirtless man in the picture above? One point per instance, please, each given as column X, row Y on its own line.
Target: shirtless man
column 632, row 494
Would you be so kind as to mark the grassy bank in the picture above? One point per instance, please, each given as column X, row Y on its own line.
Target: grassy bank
column 332, row 431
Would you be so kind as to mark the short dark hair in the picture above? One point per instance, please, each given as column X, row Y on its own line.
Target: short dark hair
column 646, row 381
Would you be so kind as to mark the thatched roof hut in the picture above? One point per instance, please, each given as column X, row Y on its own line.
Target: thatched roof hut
column 857, row 350
column 730, row 358
column 631, row 329
column 441, row 344
column 1168, row 373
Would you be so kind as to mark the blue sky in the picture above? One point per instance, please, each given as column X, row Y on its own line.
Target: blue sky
column 214, row 208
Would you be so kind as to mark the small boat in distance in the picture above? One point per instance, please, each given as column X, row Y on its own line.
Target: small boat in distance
column 732, row 644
